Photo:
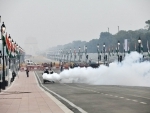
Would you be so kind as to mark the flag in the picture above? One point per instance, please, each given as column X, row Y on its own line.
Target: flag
column 142, row 48
column 3, row 39
column 109, row 52
column 128, row 49
column 7, row 44
column 116, row 51
column 135, row 47
column 148, row 49
column 112, row 52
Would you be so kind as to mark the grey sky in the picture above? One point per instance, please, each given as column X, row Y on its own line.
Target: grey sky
column 57, row 22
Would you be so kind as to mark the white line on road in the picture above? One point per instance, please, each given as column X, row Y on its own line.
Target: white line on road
column 80, row 109
column 128, row 99
column 138, row 96
column 134, row 100
column 143, row 103
column 121, row 97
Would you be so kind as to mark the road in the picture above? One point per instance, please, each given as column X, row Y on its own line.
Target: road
column 101, row 99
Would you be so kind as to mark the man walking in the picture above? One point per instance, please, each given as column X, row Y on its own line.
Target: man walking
column 27, row 72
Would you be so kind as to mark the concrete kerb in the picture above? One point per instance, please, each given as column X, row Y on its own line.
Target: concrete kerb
column 80, row 109
column 62, row 106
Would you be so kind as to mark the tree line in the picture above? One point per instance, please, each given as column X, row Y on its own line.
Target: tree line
column 111, row 41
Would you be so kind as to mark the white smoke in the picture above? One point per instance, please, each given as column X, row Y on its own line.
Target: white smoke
column 130, row 72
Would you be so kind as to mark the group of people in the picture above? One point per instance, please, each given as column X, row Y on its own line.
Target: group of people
column 48, row 71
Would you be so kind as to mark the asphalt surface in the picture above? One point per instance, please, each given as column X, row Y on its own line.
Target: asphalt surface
column 102, row 99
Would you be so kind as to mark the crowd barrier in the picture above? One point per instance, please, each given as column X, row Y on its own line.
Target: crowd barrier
column 32, row 68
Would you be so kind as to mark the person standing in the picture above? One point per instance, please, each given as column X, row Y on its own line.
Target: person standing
column 27, row 72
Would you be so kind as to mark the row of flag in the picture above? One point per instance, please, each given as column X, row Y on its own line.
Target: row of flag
column 12, row 49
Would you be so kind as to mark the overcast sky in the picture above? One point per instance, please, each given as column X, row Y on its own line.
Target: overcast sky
column 56, row 22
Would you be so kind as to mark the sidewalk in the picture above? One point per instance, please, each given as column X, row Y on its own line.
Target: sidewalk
column 26, row 96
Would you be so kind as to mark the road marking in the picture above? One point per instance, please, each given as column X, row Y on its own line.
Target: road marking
column 138, row 96
column 121, row 97
column 106, row 94
column 102, row 93
column 116, row 96
column 80, row 109
column 128, row 99
column 134, row 100
column 143, row 103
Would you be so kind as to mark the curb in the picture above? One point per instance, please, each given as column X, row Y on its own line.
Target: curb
column 62, row 106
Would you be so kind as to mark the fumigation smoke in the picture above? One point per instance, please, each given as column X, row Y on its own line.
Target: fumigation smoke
column 130, row 72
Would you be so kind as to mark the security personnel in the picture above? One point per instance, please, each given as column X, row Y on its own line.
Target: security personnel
column 46, row 71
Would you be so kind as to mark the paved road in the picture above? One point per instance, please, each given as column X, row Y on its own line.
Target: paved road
column 103, row 99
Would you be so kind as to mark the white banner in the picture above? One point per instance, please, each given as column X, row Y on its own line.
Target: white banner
column 126, row 44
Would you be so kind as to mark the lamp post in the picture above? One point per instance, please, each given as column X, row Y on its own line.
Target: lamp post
column 70, row 55
column 79, row 54
column 104, row 52
column 118, row 51
column 98, row 53
column 139, row 41
column 118, row 46
column 3, row 28
column 86, row 54
column 74, row 54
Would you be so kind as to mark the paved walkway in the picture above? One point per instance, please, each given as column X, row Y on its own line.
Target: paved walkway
column 25, row 96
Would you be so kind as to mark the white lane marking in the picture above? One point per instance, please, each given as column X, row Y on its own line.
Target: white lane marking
column 80, row 109
column 128, row 99
column 138, row 96
column 143, row 102
column 134, row 100
column 121, row 97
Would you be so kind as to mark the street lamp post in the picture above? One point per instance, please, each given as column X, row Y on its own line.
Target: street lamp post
column 79, row 54
column 104, row 52
column 118, row 51
column 86, row 54
column 74, row 55
column 139, row 41
column 3, row 28
column 70, row 55
column 98, row 52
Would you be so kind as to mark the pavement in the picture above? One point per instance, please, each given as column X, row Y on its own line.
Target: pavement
column 25, row 95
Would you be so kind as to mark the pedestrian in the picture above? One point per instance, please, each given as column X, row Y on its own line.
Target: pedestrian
column 27, row 72
column 61, row 68
column 46, row 70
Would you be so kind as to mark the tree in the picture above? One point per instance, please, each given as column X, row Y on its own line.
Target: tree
column 148, row 24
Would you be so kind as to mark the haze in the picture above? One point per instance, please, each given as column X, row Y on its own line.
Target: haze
column 50, row 23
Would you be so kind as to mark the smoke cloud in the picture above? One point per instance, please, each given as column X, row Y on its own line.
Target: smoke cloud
column 130, row 72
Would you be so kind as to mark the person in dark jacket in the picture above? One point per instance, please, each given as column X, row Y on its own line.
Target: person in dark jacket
column 27, row 72
column 46, row 71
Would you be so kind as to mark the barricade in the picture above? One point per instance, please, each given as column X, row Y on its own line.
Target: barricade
column 32, row 68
